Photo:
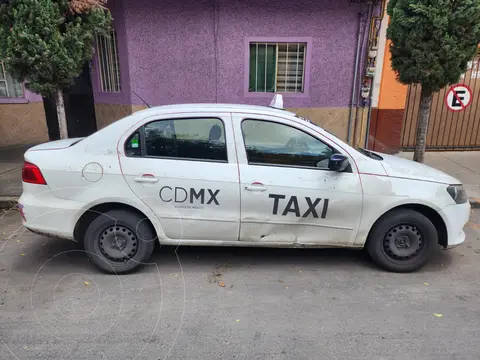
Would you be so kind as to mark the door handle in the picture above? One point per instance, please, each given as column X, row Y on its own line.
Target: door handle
column 256, row 186
column 146, row 178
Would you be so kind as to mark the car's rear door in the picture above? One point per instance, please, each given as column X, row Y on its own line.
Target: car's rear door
column 184, row 168
column 288, row 194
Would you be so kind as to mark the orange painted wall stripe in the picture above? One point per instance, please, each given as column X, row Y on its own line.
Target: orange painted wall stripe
column 393, row 94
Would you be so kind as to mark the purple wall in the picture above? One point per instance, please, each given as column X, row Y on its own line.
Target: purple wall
column 168, row 47
column 124, row 96
column 28, row 97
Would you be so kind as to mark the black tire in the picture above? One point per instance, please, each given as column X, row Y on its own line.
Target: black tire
column 402, row 240
column 119, row 241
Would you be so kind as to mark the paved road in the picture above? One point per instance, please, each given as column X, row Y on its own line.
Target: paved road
column 276, row 304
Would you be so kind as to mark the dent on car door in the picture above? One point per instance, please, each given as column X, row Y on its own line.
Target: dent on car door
column 288, row 194
column 185, row 170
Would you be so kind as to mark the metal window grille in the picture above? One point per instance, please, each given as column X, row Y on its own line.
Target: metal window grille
column 108, row 62
column 277, row 67
column 9, row 87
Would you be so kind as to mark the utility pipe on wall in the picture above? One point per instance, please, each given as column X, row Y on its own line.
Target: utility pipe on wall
column 374, row 34
column 355, row 76
column 369, row 117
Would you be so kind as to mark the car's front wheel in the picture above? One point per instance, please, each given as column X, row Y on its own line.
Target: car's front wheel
column 119, row 241
column 402, row 240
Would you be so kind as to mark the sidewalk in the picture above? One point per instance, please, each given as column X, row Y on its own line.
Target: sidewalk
column 11, row 162
column 463, row 165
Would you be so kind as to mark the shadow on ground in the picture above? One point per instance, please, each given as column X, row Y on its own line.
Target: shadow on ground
column 64, row 255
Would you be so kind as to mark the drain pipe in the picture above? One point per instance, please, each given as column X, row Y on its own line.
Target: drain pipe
column 369, row 116
column 355, row 76
column 370, row 100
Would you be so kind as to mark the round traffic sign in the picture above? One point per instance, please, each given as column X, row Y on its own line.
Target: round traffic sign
column 458, row 97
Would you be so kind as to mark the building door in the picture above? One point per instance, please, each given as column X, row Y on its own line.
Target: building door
column 447, row 129
column 79, row 108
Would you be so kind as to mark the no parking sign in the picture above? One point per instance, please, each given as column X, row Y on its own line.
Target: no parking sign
column 458, row 97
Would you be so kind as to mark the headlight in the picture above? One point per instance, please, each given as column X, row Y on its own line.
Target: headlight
column 458, row 194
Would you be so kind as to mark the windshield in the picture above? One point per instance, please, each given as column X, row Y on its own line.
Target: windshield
column 362, row 151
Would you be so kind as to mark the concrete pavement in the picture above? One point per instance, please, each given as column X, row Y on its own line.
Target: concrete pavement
column 11, row 162
column 297, row 304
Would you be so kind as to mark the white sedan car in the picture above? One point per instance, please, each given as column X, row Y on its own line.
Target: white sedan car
column 235, row 175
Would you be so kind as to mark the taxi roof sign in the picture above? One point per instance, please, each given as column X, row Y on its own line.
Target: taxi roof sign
column 277, row 102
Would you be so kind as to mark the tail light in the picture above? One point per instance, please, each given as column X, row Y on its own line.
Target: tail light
column 31, row 174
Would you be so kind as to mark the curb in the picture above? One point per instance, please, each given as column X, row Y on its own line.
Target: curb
column 475, row 203
column 7, row 202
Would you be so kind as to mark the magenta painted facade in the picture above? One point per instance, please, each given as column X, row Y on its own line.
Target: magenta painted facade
column 182, row 51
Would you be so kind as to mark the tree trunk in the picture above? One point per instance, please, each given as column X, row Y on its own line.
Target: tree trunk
column 422, row 125
column 62, row 119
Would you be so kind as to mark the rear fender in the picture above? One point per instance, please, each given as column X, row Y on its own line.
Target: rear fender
column 136, row 204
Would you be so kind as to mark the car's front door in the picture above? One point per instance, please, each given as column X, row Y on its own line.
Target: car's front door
column 185, row 170
column 288, row 194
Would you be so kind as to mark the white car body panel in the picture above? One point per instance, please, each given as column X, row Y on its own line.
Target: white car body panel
column 265, row 216
column 181, row 214
column 95, row 170
column 56, row 145
column 398, row 167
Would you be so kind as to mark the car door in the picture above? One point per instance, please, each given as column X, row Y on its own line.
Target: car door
column 184, row 168
column 288, row 194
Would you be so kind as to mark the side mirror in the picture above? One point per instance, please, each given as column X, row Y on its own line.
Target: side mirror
column 338, row 162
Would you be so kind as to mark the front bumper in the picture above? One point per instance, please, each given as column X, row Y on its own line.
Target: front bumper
column 455, row 217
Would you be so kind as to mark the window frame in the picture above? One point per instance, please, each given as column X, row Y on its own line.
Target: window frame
column 12, row 99
column 143, row 144
column 116, row 59
column 306, row 72
column 335, row 151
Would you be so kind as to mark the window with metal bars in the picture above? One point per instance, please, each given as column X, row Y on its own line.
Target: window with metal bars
column 9, row 86
column 108, row 62
column 277, row 67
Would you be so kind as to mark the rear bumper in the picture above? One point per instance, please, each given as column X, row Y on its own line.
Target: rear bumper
column 44, row 213
column 455, row 217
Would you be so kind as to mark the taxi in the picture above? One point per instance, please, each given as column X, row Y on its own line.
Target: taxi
column 235, row 175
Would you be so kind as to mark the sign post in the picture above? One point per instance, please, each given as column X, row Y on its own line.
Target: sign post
column 458, row 97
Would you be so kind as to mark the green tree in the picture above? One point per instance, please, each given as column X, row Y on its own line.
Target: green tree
column 47, row 42
column 432, row 42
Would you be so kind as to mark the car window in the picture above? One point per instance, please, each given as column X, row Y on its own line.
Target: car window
column 133, row 146
column 199, row 138
column 273, row 143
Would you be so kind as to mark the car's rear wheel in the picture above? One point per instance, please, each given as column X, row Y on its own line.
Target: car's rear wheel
column 402, row 240
column 119, row 241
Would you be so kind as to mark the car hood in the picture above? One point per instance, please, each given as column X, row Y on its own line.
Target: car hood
column 398, row 167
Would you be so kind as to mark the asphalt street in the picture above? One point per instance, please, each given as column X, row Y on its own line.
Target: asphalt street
column 235, row 303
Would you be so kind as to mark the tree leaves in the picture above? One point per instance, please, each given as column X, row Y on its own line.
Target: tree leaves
column 432, row 41
column 44, row 43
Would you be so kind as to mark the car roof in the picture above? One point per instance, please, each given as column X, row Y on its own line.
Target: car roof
column 215, row 107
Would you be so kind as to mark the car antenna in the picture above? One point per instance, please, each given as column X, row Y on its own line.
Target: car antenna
column 141, row 99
